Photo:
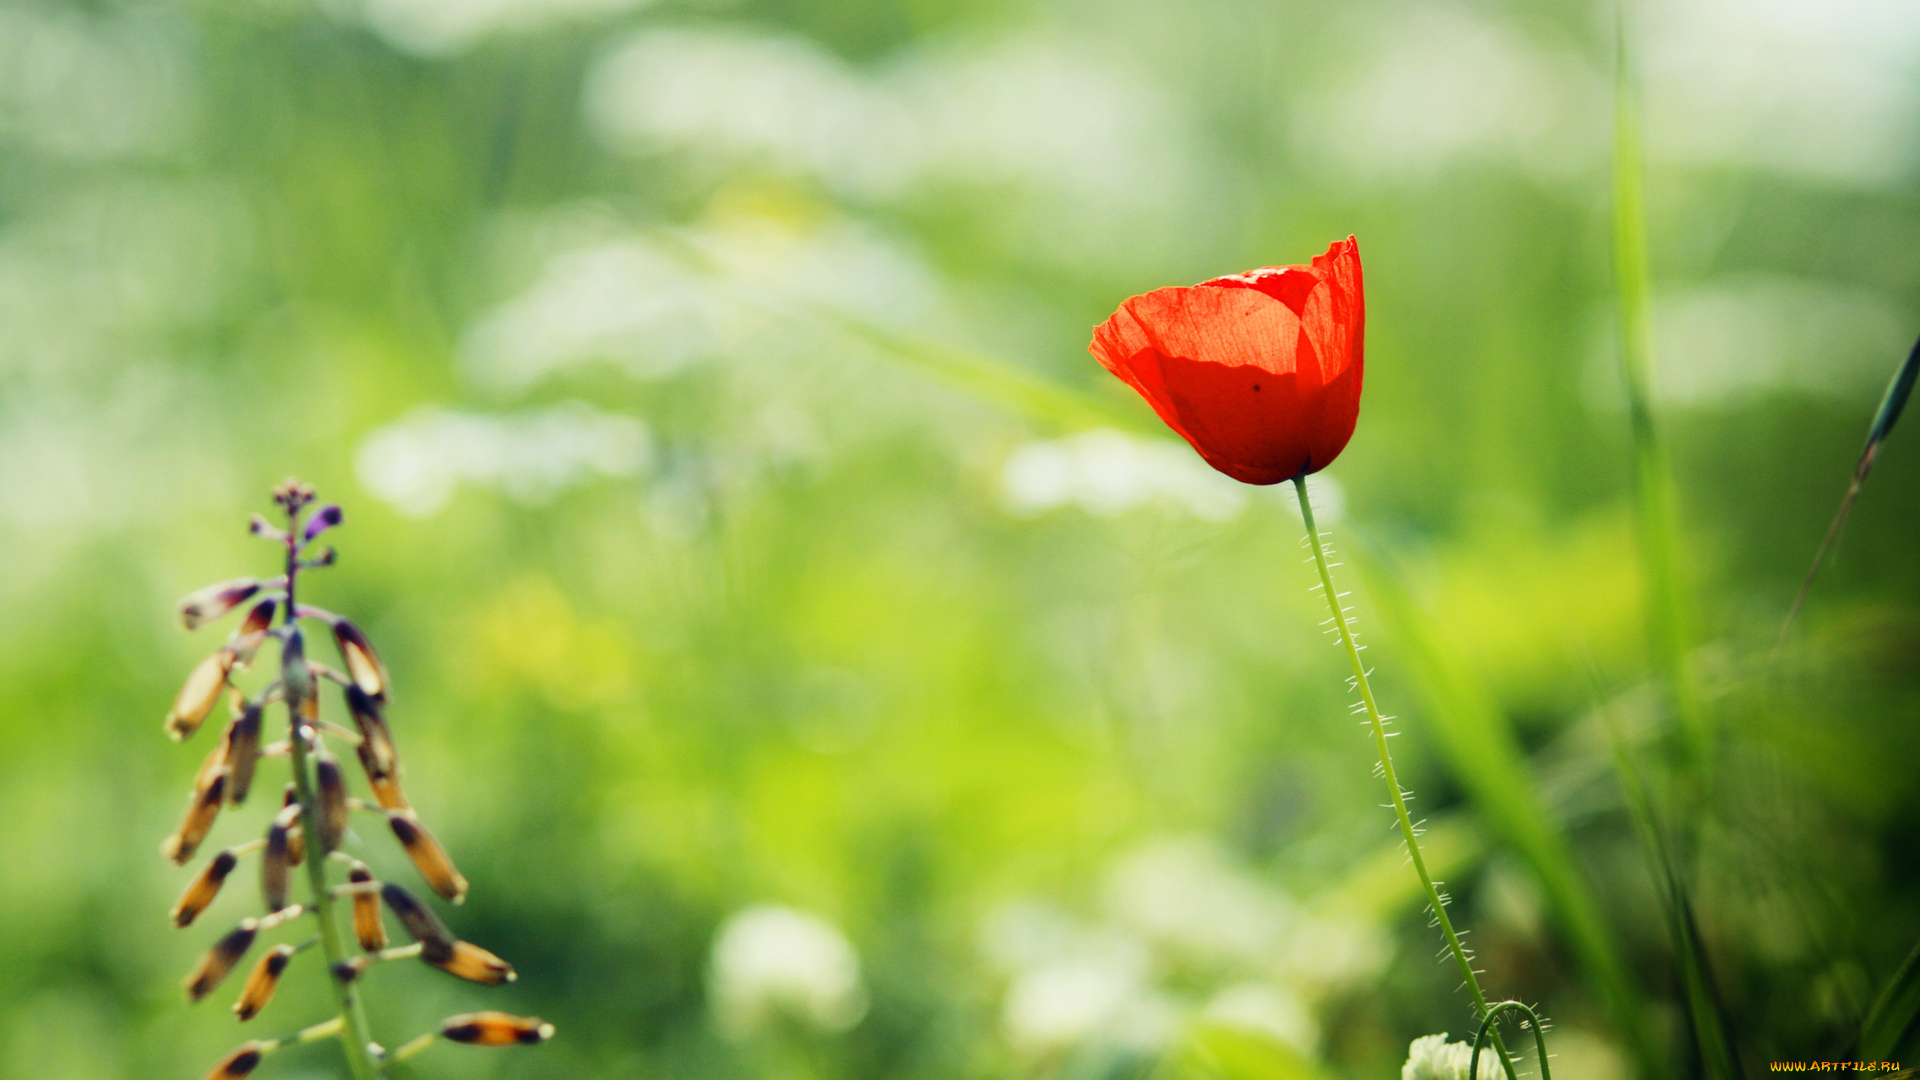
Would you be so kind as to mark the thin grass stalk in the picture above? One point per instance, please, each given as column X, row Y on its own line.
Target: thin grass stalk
column 1379, row 729
column 1669, row 618
column 355, row 1034
column 1719, row 1058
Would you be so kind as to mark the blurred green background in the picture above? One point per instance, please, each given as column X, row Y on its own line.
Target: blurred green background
column 821, row 668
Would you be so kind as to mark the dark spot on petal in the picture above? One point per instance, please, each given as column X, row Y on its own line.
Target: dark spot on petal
column 1256, row 388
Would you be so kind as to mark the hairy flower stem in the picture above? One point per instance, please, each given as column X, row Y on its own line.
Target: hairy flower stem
column 355, row 1036
column 1434, row 902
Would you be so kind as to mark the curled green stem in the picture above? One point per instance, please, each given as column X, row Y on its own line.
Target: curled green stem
column 1486, row 1028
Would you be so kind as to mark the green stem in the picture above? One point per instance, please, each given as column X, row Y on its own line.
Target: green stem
column 355, row 1035
column 1669, row 620
column 1379, row 727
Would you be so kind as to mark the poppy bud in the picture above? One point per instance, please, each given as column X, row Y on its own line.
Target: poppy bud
column 495, row 1029
column 263, row 982
column 216, row 600
column 1260, row 372
column 197, row 697
column 474, row 964
column 367, row 925
column 428, row 855
column 380, row 758
column 363, row 664
column 323, row 519
column 333, row 800
column 243, row 752
column 204, row 888
column 219, row 960
column 199, row 820
column 240, row 1063
column 436, row 941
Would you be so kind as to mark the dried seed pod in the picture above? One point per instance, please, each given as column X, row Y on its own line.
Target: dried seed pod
column 197, row 697
column 436, row 941
column 474, row 964
column 216, row 600
column 263, row 982
column 367, row 925
column 277, row 860
column 378, row 756
column 219, row 960
column 495, row 1029
column 242, row 752
column 428, row 855
column 385, row 787
column 199, row 820
column 204, row 888
column 333, row 800
column 241, row 1062
column 363, row 664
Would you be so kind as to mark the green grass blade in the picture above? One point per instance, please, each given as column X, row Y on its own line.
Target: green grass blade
column 1670, row 620
column 1480, row 746
column 1719, row 1059
column 1894, row 1012
column 1891, row 402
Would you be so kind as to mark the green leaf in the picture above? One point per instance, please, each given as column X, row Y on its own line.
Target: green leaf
column 1236, row 1053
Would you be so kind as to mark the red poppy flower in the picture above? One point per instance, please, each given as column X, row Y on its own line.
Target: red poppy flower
column 1260, row 371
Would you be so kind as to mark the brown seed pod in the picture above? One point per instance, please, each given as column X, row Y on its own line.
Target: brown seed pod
column 367, row 925
column 198, row 695
column 204, row 888
column 263, row 982
column 242, row 752
column 436, row 941
column 199, row 820
column 428, row 855
column 474, row 964
column 276, row 861
column 215, row 600
column 495, row 1029
column 219, row 960
column 363, row 664
column 241, row 1062
column 379, row 756
column 385, row 788
column 332, row 798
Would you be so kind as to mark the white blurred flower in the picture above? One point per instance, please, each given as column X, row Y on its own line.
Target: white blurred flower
column 1102, row 993
column 1108, row 473
column 1432, row 1057
column 415, row 464
column 1268, row 1009
column 773, row 961
column 1183, row 893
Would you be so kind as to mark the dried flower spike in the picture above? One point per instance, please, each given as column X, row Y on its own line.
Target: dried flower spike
column 495, row 1029
column 428, row 855
column 436, row 941
column 213, row 967
column 242, row 752
column 197, row 697
column 474, row 964
column 263, row 982
column 241, row 1062
column 199, row 820
column 204, row 888
column 368, row 928
column 216, row 600
column 363, row 664
column 333, row 800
